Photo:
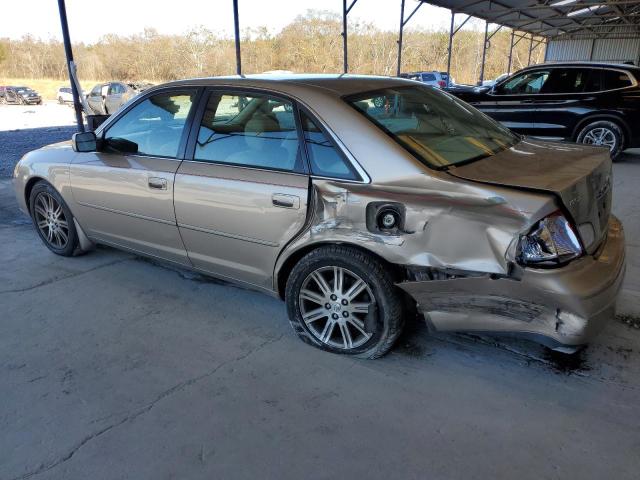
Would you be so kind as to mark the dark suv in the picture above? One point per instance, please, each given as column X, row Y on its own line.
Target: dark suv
column 592, row 103
column 21, row 96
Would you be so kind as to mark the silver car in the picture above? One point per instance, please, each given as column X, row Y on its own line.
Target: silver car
column 353, row 211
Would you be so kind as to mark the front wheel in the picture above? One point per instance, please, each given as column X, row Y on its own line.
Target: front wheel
column 53, row 220
column 603, row 133
column 344, row 301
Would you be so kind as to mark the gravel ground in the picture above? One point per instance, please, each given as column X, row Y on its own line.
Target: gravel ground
column 25, row 128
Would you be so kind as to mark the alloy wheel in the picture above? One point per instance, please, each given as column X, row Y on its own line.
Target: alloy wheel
column 600, row 136
column 51, row 220
column 334, row 303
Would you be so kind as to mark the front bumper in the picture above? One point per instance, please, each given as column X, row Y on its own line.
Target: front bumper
column 563, row 307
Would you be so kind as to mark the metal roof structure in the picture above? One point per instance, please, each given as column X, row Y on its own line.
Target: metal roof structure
column 555, row 18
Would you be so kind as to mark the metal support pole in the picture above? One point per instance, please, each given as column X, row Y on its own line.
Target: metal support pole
column 510, row 53
column 453, row 17
column 345, row 65
column 236, row 29
column 484, row 52
column 546, row 50
column 530, row 50
column 400, row 37
column 70, row 65
column 345, row 14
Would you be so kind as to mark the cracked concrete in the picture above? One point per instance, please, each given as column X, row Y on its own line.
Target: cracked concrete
column 113, row 368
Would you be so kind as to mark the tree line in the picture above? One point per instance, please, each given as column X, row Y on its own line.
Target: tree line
column 310, row 43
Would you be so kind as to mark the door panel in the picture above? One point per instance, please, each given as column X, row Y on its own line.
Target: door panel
column 516, row 112
column 234, row 221
column 125, row 192
column 557, row 115
column 121, row 200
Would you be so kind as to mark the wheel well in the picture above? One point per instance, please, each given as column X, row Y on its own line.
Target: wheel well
column 29, row 186
column 610, row 118
column 287, row 266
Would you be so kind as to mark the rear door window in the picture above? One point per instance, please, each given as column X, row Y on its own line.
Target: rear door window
column 249, row 130
column 613, row 79
column 567, row 80
column 428, row 77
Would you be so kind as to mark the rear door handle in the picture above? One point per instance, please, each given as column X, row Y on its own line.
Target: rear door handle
column 157, row 183
column 285, row 201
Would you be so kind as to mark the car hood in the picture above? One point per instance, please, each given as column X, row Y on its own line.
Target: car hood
column 579, row 175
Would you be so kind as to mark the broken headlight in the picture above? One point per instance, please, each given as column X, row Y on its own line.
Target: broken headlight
column 551, row 242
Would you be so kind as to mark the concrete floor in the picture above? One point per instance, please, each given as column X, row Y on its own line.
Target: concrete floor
column 115, row 367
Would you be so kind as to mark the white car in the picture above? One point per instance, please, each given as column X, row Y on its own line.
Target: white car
column 433, row 79
column 64, row 95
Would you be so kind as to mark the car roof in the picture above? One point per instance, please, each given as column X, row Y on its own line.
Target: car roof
column 622, row 66
column 339, row 85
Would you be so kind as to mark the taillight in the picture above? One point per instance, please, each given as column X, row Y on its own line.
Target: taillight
column 552, row 241
column 442, row 83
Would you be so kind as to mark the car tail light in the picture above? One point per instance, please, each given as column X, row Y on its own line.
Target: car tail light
column 551, row 242
column 442, row 83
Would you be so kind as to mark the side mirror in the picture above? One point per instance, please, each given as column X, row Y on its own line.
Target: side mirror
column 121, row 145
column 84, row 142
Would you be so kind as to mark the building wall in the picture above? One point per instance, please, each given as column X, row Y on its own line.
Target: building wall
column 607, row 49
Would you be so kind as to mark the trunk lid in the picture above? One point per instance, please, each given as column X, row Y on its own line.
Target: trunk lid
column 579, row 175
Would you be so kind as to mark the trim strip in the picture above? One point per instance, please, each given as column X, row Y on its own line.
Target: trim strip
column 229, row 235
column 128, row 214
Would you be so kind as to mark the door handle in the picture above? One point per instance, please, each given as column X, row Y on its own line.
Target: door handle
column 285, row 201
column 157, row 183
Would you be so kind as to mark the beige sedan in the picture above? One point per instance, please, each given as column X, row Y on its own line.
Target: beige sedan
column 355, row 199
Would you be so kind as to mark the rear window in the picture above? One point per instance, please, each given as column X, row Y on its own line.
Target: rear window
column 437, row 128
column 613, row 79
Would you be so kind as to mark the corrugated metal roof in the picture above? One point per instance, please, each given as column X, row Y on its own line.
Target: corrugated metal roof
column 556, row 18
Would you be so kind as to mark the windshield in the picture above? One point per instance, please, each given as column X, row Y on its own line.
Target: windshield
column 437, row 128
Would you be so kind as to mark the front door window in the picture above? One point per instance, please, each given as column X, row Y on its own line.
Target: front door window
column 153, row 127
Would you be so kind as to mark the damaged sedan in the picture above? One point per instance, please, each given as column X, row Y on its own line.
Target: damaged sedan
column 355, row 199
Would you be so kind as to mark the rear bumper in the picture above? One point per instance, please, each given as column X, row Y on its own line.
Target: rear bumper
column 563, row 307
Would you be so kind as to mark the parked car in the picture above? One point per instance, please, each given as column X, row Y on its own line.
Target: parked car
column 347, row 211
column 22, row 96
column 434, row 79
column 65, row 95
column 592, row 103
column 106, row 98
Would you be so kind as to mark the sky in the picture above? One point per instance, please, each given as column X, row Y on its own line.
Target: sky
column 91, row 19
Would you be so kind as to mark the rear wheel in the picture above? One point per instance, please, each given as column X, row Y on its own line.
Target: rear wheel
column 53, row 220
column 344, row 301
column 60, row 100
column 603, row 133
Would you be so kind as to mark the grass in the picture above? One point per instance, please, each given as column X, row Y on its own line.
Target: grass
column 47, row 87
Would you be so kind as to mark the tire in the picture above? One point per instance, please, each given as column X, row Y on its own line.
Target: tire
column 373, row 321
column 45, row 200
column 604, row 133
column 60, row 101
